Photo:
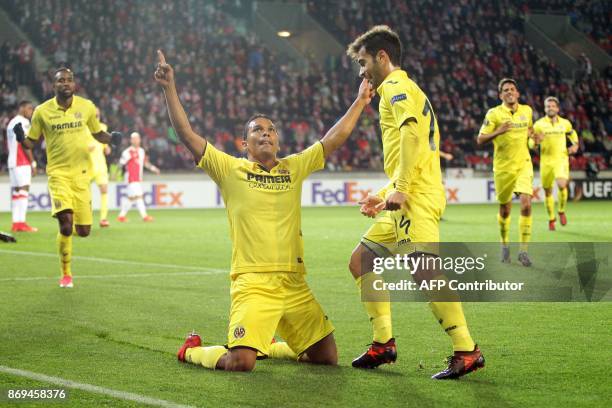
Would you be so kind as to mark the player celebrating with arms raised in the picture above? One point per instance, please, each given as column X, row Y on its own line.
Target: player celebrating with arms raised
column 553, row 134
column 262, row 194
column 21, row 165
column 67, row 122
column 509, row 127
column 414, row 200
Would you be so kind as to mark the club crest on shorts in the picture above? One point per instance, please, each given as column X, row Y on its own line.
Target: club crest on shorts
column 239, row 332
column 57, row 203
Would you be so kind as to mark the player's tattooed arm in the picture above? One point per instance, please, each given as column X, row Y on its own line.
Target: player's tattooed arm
column 164, row 75
column 337, row 135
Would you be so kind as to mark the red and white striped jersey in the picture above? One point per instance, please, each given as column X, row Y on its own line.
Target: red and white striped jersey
column 133, row 159
column 16, row 156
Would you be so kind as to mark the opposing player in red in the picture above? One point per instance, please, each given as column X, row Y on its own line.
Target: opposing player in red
column 21, row 165
column 134, row 159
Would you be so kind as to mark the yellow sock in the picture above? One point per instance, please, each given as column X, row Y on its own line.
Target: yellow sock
column 205, row 356
column 103, row 206
column 380, row 311
column 562, row 197
column 280, row 349
column 549, row 203
column 450, row 316
column 64, row 248
column 524, row 231
column 504, row 228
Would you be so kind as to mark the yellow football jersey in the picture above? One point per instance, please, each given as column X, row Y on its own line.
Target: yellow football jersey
column 263, row 208
column 67, row 135
column 402, row 99
column 510, row 150
column 553, row 146
column 98, row 158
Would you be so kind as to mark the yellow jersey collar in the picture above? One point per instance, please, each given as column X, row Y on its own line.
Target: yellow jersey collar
column 57, row 105
column 394, row 75
column 258, row 166
column 549, row 120
column 507, row 109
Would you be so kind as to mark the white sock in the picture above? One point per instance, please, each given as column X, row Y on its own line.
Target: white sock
column 125, row 207
column 15, row 207
column 141, row 207
column 23, row 205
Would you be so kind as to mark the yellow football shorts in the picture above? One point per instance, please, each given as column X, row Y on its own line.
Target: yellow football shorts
column 519, row 182
column 71, row 194
column 417, row 222
column 265, row 303
column 101, row 177
column 550, row 170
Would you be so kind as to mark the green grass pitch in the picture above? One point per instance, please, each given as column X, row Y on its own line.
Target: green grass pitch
column 121, row 325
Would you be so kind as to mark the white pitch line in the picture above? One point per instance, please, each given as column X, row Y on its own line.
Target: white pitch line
column 127, row 275
column 115, row 261
column 128, row 396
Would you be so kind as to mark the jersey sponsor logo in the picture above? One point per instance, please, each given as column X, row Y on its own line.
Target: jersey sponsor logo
column 269, row 182
column 239, row 332
column 264, row 178
column 398, row 98
column 68, row 125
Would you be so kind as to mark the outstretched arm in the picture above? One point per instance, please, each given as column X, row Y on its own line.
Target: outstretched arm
column 337, row 135
column 164, row 75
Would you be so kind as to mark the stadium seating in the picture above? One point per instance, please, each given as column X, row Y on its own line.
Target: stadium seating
column 224, row 76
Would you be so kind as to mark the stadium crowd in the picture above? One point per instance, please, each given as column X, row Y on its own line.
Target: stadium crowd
column 225, row 75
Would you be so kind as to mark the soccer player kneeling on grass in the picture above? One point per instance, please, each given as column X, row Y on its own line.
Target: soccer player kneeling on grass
column 262, row 194
column 67, row 122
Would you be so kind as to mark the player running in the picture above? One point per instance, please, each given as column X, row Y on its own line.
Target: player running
column 262, row 194
column 67, row 122
column 413, row 199
column 98, row 152
column 134, row 159
column 554, row 133
column 509, row 127
column 21, row 165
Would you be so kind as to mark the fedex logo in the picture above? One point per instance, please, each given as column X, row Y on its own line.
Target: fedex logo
column 349, row 193
column 158, row 196
column 40, row 201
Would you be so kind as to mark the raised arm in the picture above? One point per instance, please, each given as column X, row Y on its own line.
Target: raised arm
column 164, row 75
column 337, row 135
